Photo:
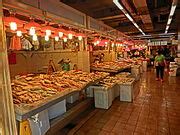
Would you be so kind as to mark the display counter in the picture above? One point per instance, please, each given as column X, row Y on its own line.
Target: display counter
column 26, row 110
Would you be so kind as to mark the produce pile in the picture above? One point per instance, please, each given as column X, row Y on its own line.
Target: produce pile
column 111, row 65
column 32, row 88
column 123, row 74
column 109, row 81
column 124, row 80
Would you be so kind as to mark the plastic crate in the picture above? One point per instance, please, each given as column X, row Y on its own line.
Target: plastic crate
column 173, row 72
column 57, row 109
column 141, row 69
column 103, row 97
column 144, row 66
column 39, row 123
column 116, row 91
column 90, row 91
column 135, row 71
column 127, row 92
column 73, row 98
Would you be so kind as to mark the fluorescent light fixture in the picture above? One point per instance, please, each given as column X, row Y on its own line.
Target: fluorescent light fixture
column 118, row 4
column 169, row 21
column 135, row 24
column 129, row 17
column 167, row 27
column 143, row 33
column 173, row 8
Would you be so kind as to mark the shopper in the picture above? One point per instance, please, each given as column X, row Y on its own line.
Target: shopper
column 160, row 64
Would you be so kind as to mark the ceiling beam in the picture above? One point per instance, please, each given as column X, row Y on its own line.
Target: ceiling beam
column 143, row 11
column 111, row 17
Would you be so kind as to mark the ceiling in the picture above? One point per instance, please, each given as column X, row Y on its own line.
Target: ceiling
column 150, row 15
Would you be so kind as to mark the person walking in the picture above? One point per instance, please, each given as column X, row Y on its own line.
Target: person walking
column 160, row 64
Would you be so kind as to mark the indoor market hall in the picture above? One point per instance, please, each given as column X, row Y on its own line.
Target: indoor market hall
column 89, row 67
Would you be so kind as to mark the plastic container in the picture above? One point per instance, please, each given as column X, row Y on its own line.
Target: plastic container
column 144, row 66
column 39, row 123
column 73, row 98
column 103, row 97
column 90, row 91
column 57, row 109
column 127, row 92
column 173, row 72
column 116, row 91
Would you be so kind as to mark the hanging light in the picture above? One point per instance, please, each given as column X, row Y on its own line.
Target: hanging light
column 79, row 38
column 46, row 38
column 32, row 27
column 32, row 31
column 35, row 37
column 61, row 33
column 65, row 39
column 19, row 33
column 12, row 22
column 13, row 26
column 97, row 41
column 56, row 38
column 48, row 32
column 47, row 29
column 70, row 34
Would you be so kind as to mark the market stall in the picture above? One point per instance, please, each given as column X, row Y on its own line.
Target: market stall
column 52, row 65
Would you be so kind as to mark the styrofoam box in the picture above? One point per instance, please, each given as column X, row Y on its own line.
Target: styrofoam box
column 173, row 72
column 135, row 70
column 102, row 97
column 90, row 91
column 145, row 66
column 141, row 69
column 39, row 123
column 126, row 92
column 73, row 98
column 57, row 109
column 116, row 91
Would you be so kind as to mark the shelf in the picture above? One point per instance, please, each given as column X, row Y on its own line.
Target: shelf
column 72, row 113
column 37, row 52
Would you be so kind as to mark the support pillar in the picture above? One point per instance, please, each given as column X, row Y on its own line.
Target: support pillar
column 7, row 114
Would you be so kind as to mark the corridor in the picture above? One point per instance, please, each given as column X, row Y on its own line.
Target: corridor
column 155, row 111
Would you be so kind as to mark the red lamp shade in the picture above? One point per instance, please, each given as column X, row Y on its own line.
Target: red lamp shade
column 8, row 20
column 53, row 35
column 44, row 28
column 80, row 34
column 22, row 30
column 39, row 33
column 33, row 24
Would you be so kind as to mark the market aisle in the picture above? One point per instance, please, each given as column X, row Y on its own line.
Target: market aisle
column 156, row 110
